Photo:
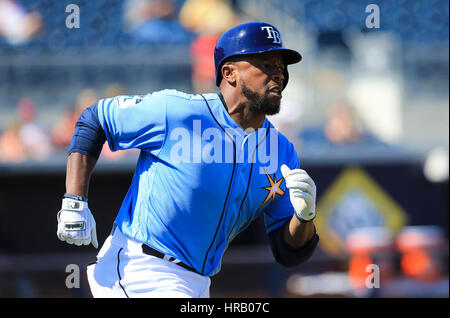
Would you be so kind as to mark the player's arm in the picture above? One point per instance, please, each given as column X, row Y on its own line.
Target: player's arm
column 124, row 122
column 296, row 240
column 296, row 233
column 76, row 225
column 78, row 173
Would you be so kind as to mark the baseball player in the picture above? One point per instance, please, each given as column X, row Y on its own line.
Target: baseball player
column 209, row 165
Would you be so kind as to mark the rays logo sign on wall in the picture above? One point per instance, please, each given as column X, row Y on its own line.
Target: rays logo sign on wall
column 354, row 200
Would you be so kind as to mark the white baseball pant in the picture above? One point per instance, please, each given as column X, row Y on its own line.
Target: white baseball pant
column 123, row 270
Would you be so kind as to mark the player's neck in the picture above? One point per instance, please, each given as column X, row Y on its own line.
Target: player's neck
column 239, row 111
column 244, row 118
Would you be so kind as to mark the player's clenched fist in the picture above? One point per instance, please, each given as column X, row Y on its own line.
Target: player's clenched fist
column 76, row 225
column 302, row 191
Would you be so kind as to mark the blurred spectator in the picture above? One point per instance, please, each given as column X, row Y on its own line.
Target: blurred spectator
column 203, row 69
column 62, row 132
column 33, row 134
column 207, row 16
column 26, row 139
column 114, row 90
column 11, row 147
column 342, row 128
column 16, row 25
column 154, row 22
column 208, row 19
column 87, row 97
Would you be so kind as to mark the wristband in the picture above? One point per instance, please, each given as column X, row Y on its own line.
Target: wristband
column 75, row 197
column 302, row 219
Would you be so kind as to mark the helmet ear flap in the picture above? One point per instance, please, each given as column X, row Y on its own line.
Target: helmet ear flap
column 286, row 76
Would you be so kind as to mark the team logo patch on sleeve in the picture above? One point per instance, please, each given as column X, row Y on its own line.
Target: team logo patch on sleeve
column 127, row 101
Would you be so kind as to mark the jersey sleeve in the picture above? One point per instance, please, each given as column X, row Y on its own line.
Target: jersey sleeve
column 281, row 210
column 134, row 122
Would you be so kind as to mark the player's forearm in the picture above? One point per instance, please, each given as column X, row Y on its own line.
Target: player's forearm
column 296, row 234
column 78, row 173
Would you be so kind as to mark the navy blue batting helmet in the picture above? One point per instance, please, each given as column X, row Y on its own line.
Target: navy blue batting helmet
column 252, row 38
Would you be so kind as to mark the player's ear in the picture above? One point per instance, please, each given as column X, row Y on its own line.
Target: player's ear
column 229, row 73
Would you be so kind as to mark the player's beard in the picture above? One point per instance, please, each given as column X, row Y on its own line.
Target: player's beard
column 260, row 104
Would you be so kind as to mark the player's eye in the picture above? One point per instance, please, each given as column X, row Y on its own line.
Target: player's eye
column 266, row 67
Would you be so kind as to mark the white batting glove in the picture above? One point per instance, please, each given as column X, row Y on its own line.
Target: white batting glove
column 76, row 225
column 302, row 191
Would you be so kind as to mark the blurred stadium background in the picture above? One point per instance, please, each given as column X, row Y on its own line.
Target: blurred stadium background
column 367, row 109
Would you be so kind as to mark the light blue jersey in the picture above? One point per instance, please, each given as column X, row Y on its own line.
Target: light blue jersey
column 200, row 178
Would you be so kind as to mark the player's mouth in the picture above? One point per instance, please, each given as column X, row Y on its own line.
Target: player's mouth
column 275, row 91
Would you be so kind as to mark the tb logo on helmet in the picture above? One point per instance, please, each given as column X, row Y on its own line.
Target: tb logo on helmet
column 272, row 34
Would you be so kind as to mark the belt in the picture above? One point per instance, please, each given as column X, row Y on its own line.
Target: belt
column 121, row 240
column 151, row 251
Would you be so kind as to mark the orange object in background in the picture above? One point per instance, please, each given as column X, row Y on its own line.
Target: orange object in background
column 11, row 147
column 368, row 246
column 357, row 270
column 419, row 246
column 416, row 263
